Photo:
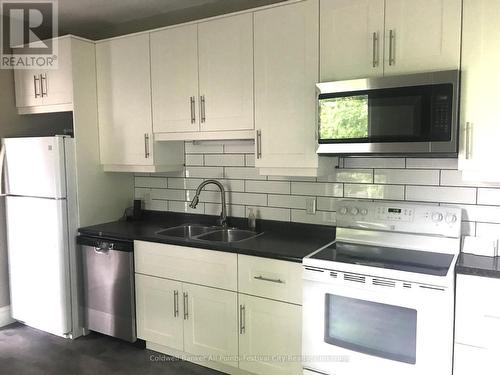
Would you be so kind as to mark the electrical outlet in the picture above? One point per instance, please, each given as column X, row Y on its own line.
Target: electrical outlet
column 311, row 206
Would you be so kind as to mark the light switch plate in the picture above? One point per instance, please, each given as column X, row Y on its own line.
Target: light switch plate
column 311, row 206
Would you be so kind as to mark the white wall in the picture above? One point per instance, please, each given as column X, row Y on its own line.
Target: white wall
column 435, row 181
column 13, row 125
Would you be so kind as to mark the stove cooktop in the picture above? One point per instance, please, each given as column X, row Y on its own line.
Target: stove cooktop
column 423, row 262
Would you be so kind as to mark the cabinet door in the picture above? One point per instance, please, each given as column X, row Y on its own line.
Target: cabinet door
column 226, row 73
column 422, row 35
column 286, row 71
column 124, row 101
column 480, row 89
column 351, row 39
column 269, row 329
column 159, row 311
column 57, row 84
column 468, row 360
column 28, row 87
column 174, row 72
column 211, row 323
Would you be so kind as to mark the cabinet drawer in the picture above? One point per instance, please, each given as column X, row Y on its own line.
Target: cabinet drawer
column 276, row 279
column 477, row 320
column 205, row 267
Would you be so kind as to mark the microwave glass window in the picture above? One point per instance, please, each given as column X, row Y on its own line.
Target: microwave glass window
column 410, row 114
column 371, row 328
column 344, row 117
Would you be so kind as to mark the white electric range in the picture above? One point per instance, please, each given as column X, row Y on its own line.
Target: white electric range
column 380, row 299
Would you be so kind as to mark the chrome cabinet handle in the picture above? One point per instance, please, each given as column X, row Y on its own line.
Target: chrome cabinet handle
column 392, row 41
column 146, row 145
column 176, row 303
column 186, row 306
column 202, row 109
column 192, row 105
column 35, row 80
column 242, row 319
column 43, row 78
column 262, row 278
column 258, row 142
column 468, row 140
column 375, row 56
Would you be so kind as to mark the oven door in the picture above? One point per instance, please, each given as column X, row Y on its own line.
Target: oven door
column 355, row 324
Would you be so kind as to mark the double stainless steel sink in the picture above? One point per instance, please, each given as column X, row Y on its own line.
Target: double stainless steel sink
column 208, row 233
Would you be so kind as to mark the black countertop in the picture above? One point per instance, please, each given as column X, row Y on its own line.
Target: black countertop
column 278, row 240
column 478, row 265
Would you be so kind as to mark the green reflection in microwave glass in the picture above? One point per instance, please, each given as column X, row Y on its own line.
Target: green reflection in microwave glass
column 344, row 118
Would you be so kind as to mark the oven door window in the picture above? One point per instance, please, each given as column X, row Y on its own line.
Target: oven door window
column 409, row 114
column 372, row 328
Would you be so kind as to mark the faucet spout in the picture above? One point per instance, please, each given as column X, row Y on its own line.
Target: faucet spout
column 196, row 199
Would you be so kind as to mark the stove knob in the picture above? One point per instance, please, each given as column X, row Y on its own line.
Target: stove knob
column 343, row 210
column 354, row 211
column 450, row 218
column 437, row 217
column 364, row 212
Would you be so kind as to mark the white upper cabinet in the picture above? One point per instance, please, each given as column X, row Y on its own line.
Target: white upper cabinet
column 351, row 39
column 422, row 35
column 124, row 102
column 47, row 90
column 226, row 73
column 174, row 68
column 286, row 71
column 365, row 38
column 480, row 89
column 202, row 78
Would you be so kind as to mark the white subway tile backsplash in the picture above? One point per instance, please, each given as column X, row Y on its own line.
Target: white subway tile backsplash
column 441, row 194
column 249, row 160
column 488, row 196
column 414, row 180
column 321, row 218
column 226, row 160
column 168, row 194
column 270, row 213
column 366, row 191
column 194, row 159
column 406, row 176
column 287, row 201
column 205, row 172
column 349, row 175
column 362, row 162
column 151, row 182
column 432, row 163
column 317, row 188
column 232, row 210
column 239, row 147
column 243, row 173
column 271, row 187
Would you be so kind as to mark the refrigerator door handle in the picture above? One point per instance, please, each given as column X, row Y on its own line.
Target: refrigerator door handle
column 2, row 158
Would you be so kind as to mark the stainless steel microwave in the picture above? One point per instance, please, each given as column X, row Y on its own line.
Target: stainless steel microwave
column 411, row 115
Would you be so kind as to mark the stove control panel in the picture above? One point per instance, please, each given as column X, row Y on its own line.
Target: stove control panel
column 407, row 218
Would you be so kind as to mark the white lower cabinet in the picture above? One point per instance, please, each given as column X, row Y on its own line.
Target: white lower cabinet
column 210, row 324
column 159, row 317
column 477, row 325
column 270, row 336
column 189, row 302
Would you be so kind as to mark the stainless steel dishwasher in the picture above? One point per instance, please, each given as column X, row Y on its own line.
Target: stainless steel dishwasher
column 108, row 286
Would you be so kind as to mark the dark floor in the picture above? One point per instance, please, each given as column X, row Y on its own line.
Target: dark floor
column 27, row 351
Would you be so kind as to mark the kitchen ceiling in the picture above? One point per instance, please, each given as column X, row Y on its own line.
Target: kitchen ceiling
column 97, row 19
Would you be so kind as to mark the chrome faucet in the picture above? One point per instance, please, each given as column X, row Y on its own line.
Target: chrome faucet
column 196, row 199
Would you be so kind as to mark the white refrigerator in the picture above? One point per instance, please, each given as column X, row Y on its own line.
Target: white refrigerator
column 41, row 228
